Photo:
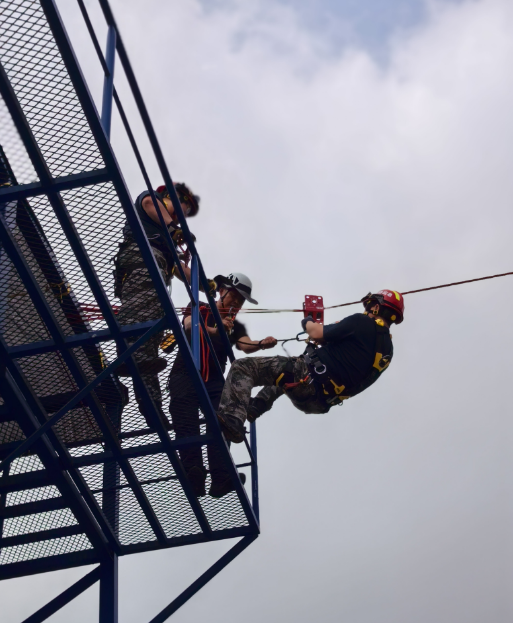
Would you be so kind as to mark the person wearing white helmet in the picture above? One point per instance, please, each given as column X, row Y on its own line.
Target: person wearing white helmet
column 234, row 290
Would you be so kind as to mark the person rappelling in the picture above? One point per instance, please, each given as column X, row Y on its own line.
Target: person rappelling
column 341, row 360
column 134, row 286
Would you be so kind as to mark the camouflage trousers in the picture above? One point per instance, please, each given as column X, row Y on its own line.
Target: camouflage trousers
column 140, row 303
column 252, row 372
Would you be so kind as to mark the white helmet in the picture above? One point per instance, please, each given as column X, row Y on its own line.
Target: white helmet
column 237, row 281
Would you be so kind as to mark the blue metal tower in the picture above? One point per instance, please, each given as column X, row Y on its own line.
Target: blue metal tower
column 84, row 477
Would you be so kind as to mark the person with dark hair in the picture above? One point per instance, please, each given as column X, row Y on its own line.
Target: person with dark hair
column 344, row 359
column 134, row 287
column 234, row 290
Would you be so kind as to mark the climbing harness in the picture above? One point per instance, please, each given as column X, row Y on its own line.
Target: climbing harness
column 336, row 394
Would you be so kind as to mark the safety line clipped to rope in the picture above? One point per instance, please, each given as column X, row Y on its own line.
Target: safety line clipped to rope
column 445, row 285
column 92, row 312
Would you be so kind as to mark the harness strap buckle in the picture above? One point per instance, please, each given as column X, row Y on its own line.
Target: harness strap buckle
column 319, row 369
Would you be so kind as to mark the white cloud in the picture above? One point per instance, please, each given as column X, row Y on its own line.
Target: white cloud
column 333, row 176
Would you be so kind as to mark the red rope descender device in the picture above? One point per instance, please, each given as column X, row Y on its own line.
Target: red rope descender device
column 314, row 306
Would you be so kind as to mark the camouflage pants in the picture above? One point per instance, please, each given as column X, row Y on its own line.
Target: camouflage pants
column 140, row 303
column 257, row 371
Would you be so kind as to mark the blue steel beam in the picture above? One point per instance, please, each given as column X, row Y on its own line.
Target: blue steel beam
column 51, row 563
column 29, row 480
column 58, row 184
column 195, row 327
column 78, row 559
column 43, row 535
column 190, row 539
column 79, row 339
column 109, row 591
column 130, row 452
column 31, row 508
column 92, row 116
column 138, row 451
column 108, row 83
column 65, row 597
column 3, row 501
column 254, row 470
column 203, row 579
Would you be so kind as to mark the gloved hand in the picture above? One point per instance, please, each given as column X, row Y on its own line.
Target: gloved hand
column 309, row 318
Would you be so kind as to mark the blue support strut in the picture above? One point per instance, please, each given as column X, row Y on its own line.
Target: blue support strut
column 109, row 591
column 108, row 82
column 254, row 470
column 195, row 329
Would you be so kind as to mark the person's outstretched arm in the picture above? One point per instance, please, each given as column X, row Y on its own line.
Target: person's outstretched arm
column 246, row 345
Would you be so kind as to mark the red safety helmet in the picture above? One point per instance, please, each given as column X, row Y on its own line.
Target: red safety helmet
column 186, row 197
column 388, row 298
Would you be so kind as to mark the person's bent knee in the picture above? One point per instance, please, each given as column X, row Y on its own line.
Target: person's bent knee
column 241, row 364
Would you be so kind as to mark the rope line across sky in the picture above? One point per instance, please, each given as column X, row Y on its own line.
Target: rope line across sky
column 93, row 312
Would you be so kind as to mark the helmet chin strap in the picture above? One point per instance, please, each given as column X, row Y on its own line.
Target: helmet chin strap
column 221, row 299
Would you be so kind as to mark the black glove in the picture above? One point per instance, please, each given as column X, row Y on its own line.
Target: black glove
column 305, row 320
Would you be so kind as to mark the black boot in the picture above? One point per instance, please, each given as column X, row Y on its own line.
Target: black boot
column 233, row 429
column 256, row 408
column 162, row 417
column 197, row 476
column 222, row 487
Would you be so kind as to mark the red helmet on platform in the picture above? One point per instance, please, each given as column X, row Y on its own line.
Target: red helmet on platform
column 186, row 196
column 388, row 298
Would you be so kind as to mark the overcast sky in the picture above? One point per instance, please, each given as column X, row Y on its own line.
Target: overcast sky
column 341, row 147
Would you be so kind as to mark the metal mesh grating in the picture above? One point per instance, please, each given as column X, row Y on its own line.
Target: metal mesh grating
column 14, row 149
column 44, row 549
column 223, row 513
column 133, row 525
column 172, row 508
column 28, row 524
column 25, row 464
column 41, row 82
column 98, row 205
column 166, row 495
column 31, row 495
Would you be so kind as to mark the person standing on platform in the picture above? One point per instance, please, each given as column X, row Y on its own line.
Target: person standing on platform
column 134, row 286
column 234, row 290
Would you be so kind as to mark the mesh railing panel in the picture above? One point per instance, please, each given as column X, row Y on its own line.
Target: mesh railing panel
column 14, row 149
column 42, row 85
